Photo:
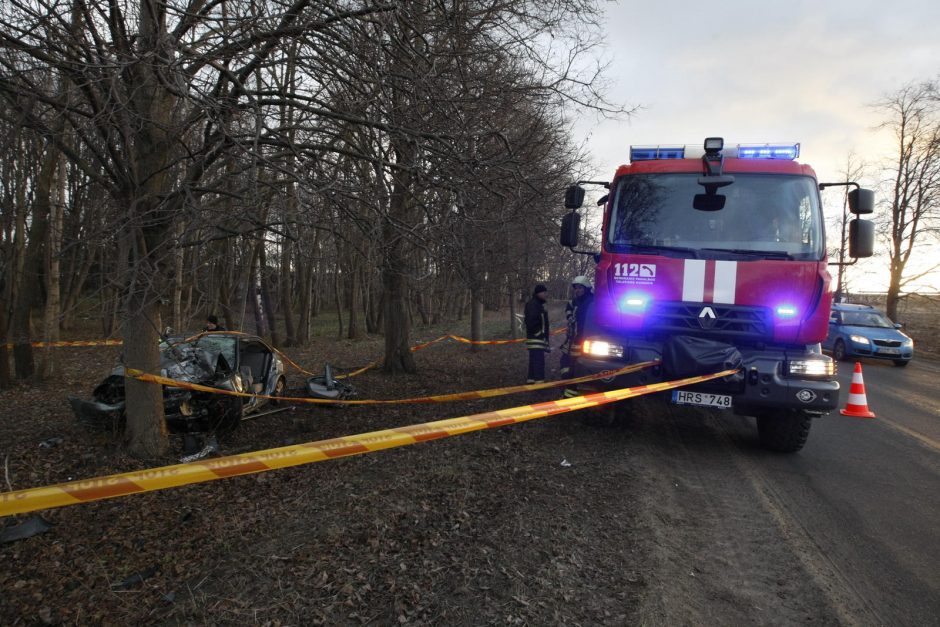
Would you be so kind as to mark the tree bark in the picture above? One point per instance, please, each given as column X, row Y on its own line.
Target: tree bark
column 476, row 315
column 146, row 429
column 31, row 272
column 53, row 307
column 398, row 355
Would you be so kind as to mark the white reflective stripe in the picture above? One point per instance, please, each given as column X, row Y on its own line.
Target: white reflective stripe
column 693, row 280
column 726, row 276
column 857, row 399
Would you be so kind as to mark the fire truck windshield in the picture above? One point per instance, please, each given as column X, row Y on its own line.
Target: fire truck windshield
column 764, row 215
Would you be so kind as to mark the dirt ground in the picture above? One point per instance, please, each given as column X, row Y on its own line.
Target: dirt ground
column 550, row 522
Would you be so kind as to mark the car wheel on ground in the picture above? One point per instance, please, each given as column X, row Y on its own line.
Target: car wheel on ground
column 838, row 351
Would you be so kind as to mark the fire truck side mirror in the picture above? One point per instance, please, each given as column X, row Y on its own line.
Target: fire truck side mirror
column 861, row 201
column 574, row 197
column 570, row 225
column 861, row 238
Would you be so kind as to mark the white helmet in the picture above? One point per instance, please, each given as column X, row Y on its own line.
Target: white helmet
column 581, row 280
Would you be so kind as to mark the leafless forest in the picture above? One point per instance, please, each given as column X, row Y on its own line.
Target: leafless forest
column 383, row 163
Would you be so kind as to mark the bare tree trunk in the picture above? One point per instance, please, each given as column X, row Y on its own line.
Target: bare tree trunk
column 355, row 301
column 286, row 293
column 398, row 355
column 53, row 294
column 476, row 315
column 5, row 379
column 32, row 269
column 339, row 301
column 512, row 313
column 268, row 306
column 420, row 301
column 306, row 304
column 178, row 278
column 146, row 428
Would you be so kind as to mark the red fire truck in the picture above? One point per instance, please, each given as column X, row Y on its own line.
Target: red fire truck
column 713, row 258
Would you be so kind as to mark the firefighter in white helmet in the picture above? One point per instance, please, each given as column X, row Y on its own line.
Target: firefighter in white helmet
column 575, row 314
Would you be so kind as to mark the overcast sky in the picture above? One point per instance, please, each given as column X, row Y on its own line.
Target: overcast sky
column 762, row 71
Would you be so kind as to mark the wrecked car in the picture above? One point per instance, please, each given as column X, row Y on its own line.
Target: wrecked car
column 223, row 360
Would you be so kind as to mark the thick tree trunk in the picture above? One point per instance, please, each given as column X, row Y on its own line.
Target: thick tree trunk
column 398, row 355
column 893, row 297
column 146, row 428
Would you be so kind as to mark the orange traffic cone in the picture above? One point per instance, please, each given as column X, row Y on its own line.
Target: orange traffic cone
column 857, row 405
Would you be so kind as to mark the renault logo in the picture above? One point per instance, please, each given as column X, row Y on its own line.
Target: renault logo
column 707, row 317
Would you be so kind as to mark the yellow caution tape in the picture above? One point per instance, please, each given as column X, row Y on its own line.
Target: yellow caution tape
column 71, row 343
column 140, row 375
column 418, row 347
column 112, row 486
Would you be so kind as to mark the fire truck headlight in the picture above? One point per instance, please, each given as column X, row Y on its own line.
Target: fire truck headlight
column 817, row 366
column 600, row 348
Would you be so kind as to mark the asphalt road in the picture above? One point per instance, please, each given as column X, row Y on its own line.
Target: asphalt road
column 861, row 502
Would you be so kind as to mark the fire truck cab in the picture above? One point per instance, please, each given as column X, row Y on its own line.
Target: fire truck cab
column 713, row 258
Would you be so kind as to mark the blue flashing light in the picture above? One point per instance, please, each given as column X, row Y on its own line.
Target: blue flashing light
column 634, row 303
column 650, row 153
column 786, row 312
column 768, row 151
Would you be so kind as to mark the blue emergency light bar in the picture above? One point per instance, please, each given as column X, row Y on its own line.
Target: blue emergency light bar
column 741, row 151
column 768, row 151
column 651, row 153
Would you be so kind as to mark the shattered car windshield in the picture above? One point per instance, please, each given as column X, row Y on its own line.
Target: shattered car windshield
column 763, row 215
column 199, row 359
column 221, row 344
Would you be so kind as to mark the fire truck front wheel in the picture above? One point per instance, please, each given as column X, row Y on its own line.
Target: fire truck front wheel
column 783, row 430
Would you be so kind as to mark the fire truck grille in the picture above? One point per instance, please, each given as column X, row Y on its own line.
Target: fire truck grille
column 887, row 343
column 718, row 320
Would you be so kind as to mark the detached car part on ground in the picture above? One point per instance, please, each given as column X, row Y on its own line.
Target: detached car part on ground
column 227, row 361
column 326, row 386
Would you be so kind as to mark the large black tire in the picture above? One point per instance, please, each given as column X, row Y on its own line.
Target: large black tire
column 838, row 351
column 784, row 431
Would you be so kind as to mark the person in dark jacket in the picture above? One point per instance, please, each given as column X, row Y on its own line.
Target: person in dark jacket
column 212, row 324
column 575, row 314
column 537, row 334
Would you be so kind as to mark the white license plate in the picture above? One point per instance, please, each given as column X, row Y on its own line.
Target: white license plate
column 889, row 351
column 704, row 399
